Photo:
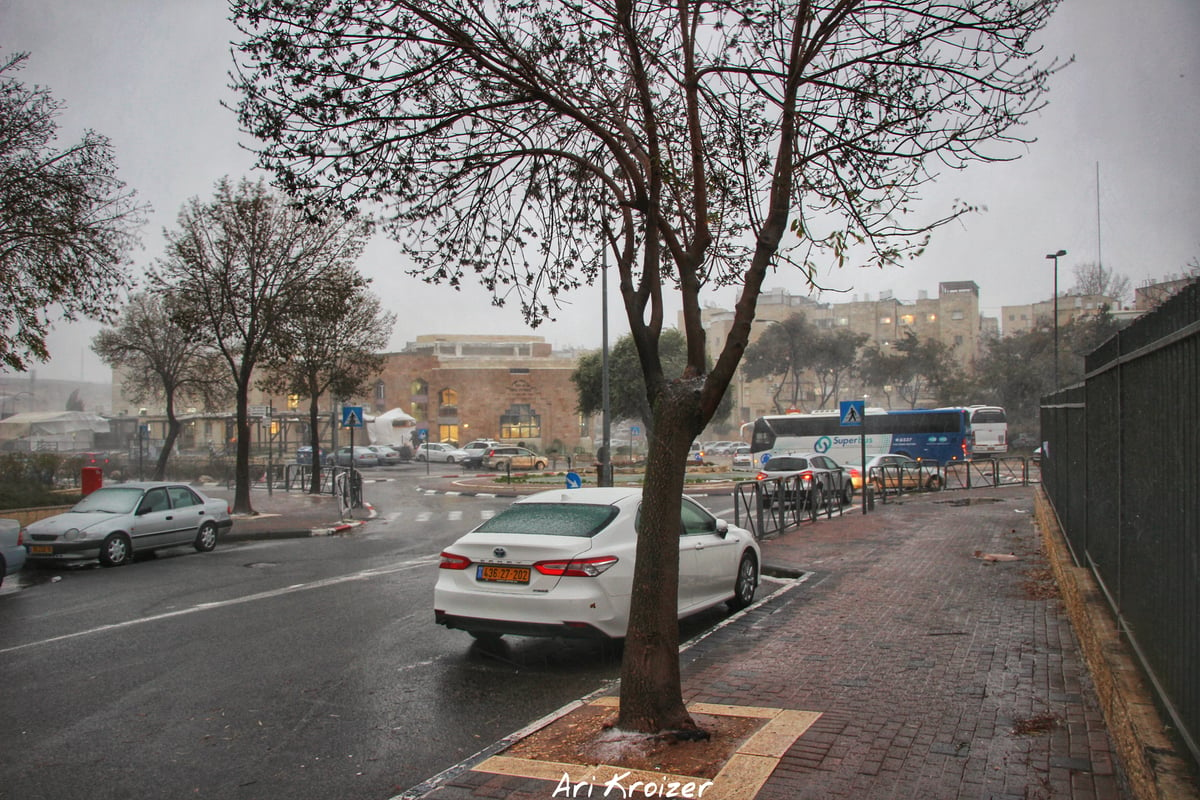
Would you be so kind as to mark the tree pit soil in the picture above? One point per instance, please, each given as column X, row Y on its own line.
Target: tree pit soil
column 587, row 736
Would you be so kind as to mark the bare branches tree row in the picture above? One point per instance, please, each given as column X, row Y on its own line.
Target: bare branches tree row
column 702, row 144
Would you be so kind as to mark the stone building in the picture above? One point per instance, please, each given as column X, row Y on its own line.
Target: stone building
column 951, row 318
column 1027, row 318
column 510, row 388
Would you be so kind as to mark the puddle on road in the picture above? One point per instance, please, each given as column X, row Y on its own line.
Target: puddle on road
column 969, row 501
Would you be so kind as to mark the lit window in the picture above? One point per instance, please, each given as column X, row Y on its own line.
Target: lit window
column 520, row 422
column 908, row 319
column 932, row 317
column 885, row 321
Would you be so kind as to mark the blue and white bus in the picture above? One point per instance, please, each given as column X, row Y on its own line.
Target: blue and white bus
column 940, row 436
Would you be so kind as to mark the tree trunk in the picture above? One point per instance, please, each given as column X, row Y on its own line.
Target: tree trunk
column 241, row 469
column 160, row 466
column 173, row 426
column 651, row 692
column 314, row 440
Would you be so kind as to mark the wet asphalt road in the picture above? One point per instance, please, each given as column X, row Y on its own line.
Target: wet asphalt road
column 304, row 668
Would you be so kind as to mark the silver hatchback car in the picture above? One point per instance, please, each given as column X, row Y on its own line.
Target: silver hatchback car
column 114, row 522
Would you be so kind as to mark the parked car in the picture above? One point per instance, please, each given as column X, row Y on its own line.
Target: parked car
column 361, row 457
column 95, row 459
column 476, row 451
column 440, row 451
column 742, row 457
column 560, row 563
column 12, row 548
column 115, row 522
column 811, row 469
column 304, row 455
column 387, row 455
column 894, row 471
column 508, row 457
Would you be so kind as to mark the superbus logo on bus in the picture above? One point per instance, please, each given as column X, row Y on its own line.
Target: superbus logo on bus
column 941, row 435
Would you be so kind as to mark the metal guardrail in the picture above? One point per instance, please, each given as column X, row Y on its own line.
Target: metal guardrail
column 771, row 506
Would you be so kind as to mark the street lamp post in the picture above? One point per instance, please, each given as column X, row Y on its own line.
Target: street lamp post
column 1056, row 256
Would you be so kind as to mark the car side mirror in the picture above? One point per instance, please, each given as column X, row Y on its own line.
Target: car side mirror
column 722, row 528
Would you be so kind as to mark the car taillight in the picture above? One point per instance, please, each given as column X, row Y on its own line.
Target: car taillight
column 806, row 475
column 762, row 476
column 576, row 567
column 855, row 473
column 451, row 561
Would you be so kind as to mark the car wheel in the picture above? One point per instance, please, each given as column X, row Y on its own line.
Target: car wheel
column 848, row 493
column 115, row 550
column 206, row 538
column 449, row 459
column 934, row 483
column 746, row 583
column 421, row 457
column 539, row 465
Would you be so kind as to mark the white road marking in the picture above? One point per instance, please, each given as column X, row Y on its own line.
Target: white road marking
column 250, row 598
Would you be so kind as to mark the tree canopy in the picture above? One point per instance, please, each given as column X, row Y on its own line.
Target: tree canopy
column 701, row 144
column 627, row 387
column 158, row 358
column 332, row 344
column 66, row 222
column 236, row 269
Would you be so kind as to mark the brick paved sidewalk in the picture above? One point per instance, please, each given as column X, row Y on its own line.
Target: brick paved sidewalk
column 937, row 674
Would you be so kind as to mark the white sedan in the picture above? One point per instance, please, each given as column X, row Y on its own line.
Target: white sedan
column 560, row 563
column 439, row 451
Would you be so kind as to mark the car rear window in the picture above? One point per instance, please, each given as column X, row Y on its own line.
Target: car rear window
column 551, row 519
column 780, row 463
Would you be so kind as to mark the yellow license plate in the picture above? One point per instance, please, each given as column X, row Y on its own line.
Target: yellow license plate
column 498, row 574
column 41, row 549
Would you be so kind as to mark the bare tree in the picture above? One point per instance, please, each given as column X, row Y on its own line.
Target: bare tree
column 238, row 268
column 66, row 222
column 701, row 143
column 159, row 359
column 1094, row 279
column 332, row 344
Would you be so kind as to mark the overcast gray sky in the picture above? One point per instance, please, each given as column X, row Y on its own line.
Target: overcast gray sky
column 150, row 74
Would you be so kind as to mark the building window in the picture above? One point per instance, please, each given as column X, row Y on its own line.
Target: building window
column 419, row 389
column 908, row 319
column 932, row 317
column 447, row 403
column 843, row 322
column 957, row 315
column 958, row 340
column 885, row 320
column 520, row 422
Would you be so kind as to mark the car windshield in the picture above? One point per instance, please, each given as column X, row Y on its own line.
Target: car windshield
column 551, row 519
column 783, row 463
column 116, row 500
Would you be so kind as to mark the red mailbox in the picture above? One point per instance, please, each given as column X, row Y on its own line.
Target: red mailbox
column 91, row 480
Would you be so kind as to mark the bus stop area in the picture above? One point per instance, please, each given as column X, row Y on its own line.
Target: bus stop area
column 931, row 651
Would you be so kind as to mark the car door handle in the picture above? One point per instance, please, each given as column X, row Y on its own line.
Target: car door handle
column 170, row 517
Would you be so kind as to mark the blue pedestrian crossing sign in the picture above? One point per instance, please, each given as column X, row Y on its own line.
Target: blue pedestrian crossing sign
column 352, row 416
column 851, row 413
